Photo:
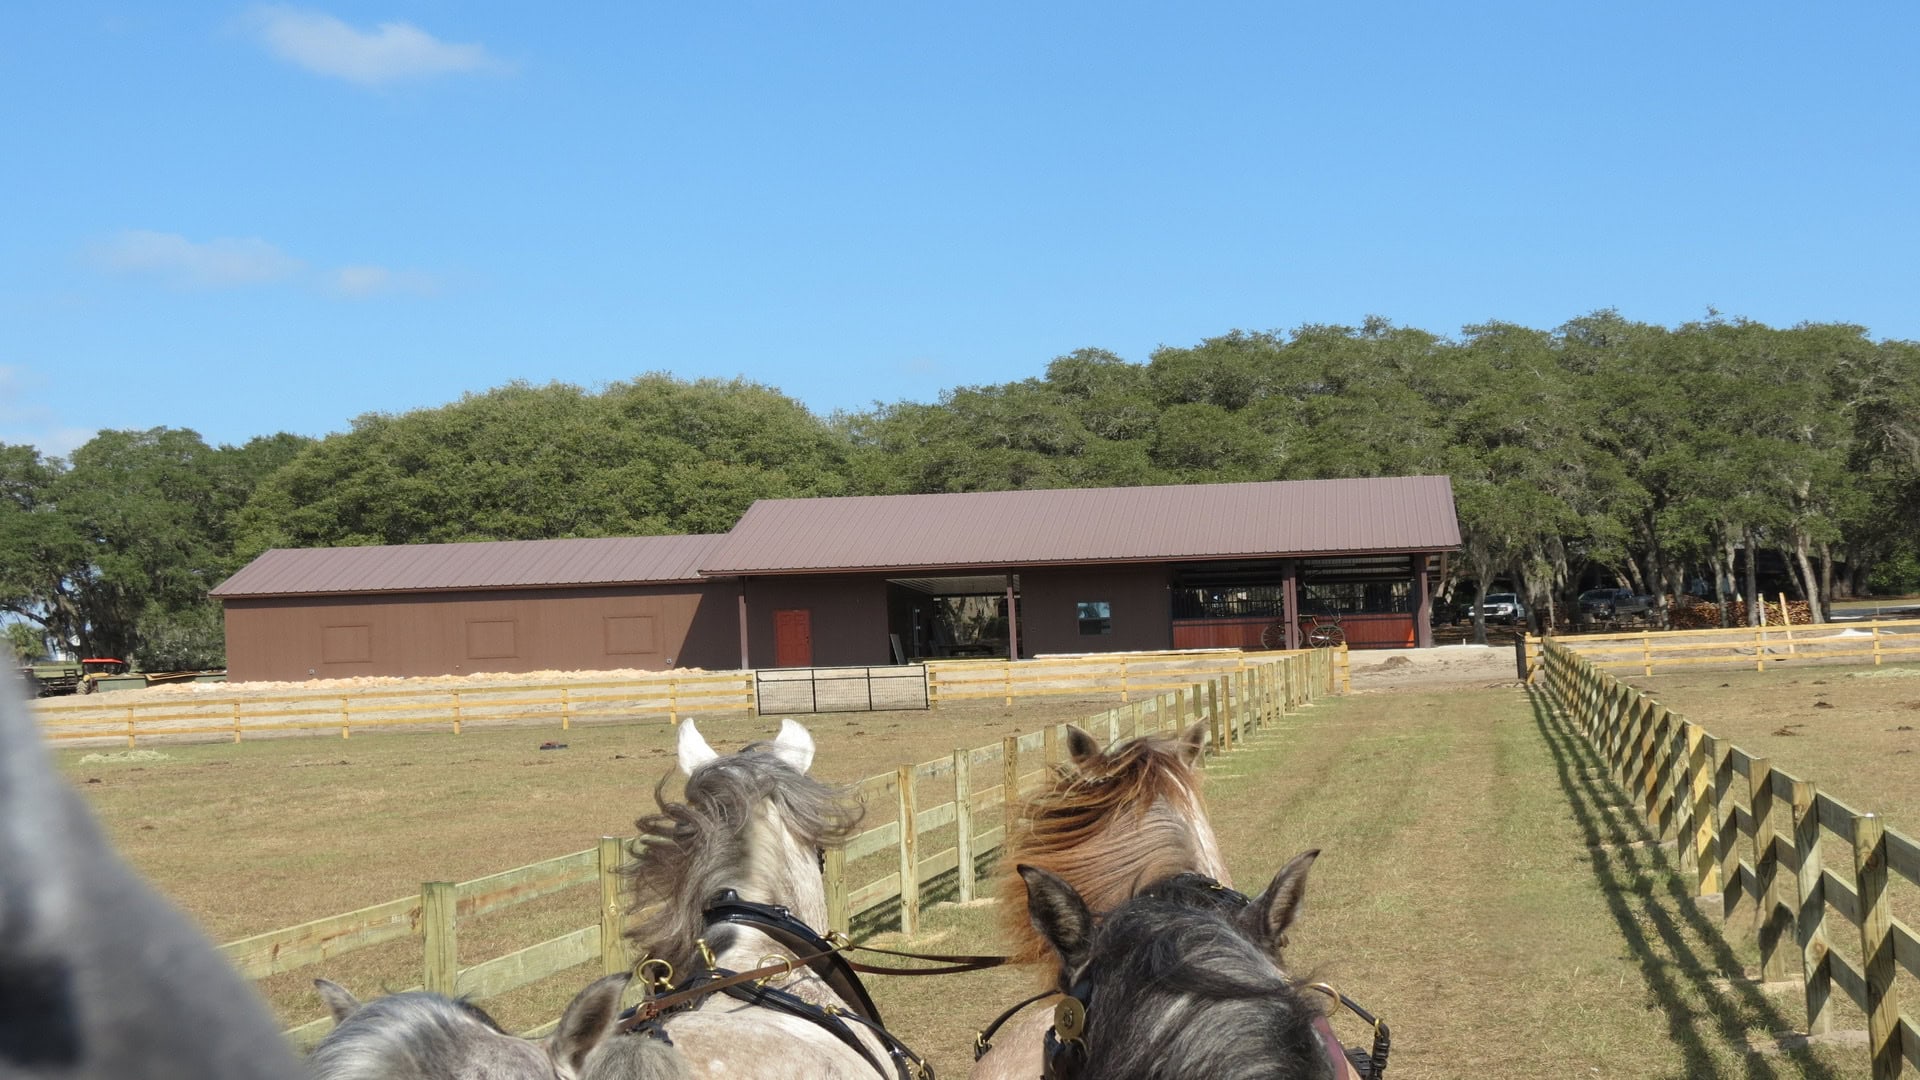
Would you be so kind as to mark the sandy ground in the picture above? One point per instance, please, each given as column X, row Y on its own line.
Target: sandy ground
column 1447, row 667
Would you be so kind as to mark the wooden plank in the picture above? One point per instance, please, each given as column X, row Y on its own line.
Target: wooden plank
column 873, row 841
column 1840, row 896
column 873, row 894
column 278, row 951
column 909, row 855
column 1906, row 948
column 1769, row 924
column 1810, row 924
column 531, row 964
column 938, row 863
column 437, row 904
column 1848, row 978
column 308, row 1035
column 524, row 883
column 834, row 874
column 1910, row 1043
column 1836, row 816
column 1903, row 856
column 1010, row 780
column 610, row 854
column 1882, row 1005
column 963, row 818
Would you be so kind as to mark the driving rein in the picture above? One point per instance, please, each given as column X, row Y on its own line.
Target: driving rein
column 823, row 956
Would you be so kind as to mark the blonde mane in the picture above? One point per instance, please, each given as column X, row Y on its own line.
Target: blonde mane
column 1110, row 824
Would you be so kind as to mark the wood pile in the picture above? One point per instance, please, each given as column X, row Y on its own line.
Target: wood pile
column 1693, row 613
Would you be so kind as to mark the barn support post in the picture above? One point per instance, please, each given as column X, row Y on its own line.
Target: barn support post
column 1290, row 600
column 1423, row 605
column 1013, row 622
column 745, row 664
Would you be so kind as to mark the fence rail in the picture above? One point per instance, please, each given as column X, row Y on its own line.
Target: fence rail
column 1754, row 834
column 1649, row 652
column 1232, row 702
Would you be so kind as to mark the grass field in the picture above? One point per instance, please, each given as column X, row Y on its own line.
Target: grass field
column 1482, row 886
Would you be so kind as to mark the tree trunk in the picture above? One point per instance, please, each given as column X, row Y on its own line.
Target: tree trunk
column 1826, row 572
column 1480, row 605
column 1814, row 605
column 1753, row 580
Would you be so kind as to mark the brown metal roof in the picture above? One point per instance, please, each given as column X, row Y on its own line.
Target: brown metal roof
column 501, row 564
column 1026, row 528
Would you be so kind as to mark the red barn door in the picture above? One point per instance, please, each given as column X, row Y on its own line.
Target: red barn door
column 793, row 638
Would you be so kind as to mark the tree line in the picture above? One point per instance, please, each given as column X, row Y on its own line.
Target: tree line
column 1659, row 458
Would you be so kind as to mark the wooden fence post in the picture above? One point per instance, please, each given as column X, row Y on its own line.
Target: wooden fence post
column 835, row 875
column 437, row 902
column 1810, row 924
column 236, row 721
column 963, row 816
column 1050, row 746
column 346, row 720
column 1231, row 699
column 1010, row 783
column 1706, row 829
column 1876, row 945
column 456, row 712
column 613, row 916
column 1726, row 821
column 909, row 854
column 566, row 712
column 1682, row 778
column 1768, row 923
column 1213, row 716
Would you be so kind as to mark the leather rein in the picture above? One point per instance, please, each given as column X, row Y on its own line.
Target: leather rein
column 822, row 955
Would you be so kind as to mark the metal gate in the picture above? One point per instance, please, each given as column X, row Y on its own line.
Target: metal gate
column 847, row 689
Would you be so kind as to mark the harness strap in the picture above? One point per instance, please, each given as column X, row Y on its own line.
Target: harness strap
column 1374, row 1067
column 833, row 1021
column 692, row 991
column 779, row 924
column 983, row 1039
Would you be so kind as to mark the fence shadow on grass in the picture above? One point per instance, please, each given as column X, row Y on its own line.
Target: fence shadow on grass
column 1682, row 954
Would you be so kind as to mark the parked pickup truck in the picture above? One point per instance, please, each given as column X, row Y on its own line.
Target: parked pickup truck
column 1614, row 604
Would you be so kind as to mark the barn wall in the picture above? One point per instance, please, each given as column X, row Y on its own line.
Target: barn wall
column 1139, row 599
column 848, row 613
column 510, row 630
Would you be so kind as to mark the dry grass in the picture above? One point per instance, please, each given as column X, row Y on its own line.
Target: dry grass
column 1854, row 731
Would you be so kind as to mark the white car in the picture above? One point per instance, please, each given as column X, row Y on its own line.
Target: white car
column 1503, row 607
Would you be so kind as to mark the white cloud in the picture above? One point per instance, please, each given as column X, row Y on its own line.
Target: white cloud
column 364, row 281
column 210, row 264
column 390, row 52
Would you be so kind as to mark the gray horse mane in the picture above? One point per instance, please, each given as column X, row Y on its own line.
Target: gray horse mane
column 689, row 851
column 1180, row 988
column 409, row 1036
column 100, row 979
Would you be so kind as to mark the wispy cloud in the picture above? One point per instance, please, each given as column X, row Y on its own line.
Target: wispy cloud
column 388, row 53
column 22, row 421
column 365, row 281
column 227, row 263
column 209, row 264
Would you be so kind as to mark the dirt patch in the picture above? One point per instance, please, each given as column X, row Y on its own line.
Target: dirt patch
column 1445, row 667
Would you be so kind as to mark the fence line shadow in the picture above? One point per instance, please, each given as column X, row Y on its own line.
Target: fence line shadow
column 1655, row 912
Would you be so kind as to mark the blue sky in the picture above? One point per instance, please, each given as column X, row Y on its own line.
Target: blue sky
column 251, row 218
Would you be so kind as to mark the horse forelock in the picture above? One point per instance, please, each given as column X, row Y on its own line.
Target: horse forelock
column 1179, row 987
column 720, row 837
column 1109, row 828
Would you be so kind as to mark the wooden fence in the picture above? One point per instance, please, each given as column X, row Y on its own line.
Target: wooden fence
column 134, row 715
column 1755, row 835
column 1234, row 704
column 1759, row 647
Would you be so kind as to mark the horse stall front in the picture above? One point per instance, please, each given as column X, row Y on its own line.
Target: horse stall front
column 1377, row 601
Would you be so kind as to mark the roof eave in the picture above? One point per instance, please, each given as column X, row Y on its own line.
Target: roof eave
column 1031, row 563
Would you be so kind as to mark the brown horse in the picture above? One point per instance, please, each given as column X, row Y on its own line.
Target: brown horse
column 1112, row 823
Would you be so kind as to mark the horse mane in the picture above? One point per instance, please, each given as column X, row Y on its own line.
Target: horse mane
column 1107, row 825
column 1180, row 987
column 408, row 1036
column 688, row 851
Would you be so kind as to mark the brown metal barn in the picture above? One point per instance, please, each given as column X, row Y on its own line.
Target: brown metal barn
column 870, row 580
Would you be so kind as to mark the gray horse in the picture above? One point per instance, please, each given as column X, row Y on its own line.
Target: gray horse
column 1185, row 979
column 422, row 1036
column 100, row 979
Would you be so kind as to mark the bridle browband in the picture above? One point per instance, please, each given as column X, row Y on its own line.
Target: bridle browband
column 1064, row 1048
column 822, row 955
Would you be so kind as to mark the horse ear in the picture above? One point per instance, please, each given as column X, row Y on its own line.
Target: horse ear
column 590, row 1018
column 1059, row 915
column 694, row 751
column 1273, row 912
column 1193, row 742
column 338, row 999
column 794, row 745
column 1081, row 747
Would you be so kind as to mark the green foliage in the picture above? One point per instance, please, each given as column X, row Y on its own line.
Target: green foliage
column 25, row 642
column 187, row 639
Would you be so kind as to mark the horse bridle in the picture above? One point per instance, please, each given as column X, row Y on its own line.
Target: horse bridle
column 1064, row 1048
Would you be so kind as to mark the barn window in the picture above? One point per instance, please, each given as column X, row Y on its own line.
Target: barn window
column 1096, row 617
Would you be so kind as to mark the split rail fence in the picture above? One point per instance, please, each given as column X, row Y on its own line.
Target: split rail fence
column 1653, row 652
column 1234, row 704
column 135, row 715
column 1756, row 835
